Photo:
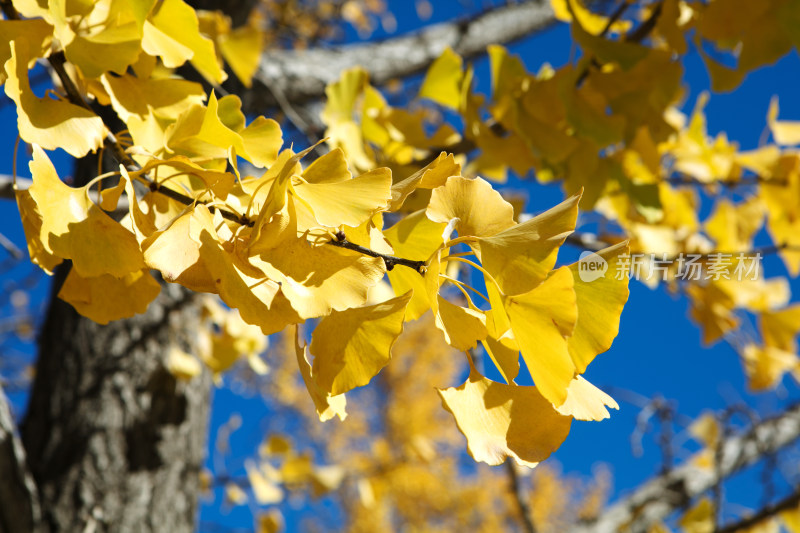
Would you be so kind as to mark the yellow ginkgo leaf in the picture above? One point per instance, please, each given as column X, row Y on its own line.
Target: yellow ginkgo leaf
column 712, row 308
column 242, row 49
column 182, row 365
column 232, row 339
column 568, row 10
column 600, row 301
column 502, row 350
column 106, row 37
column 109, row 198
column 357, row 199
column 266, row 490
column 329, row 168
column 520, row 257
column 340, row 108
column 502, row 421
column 319, row 278
column 541, row 320
column 35, row 32
column 779, row 328
column 442, row 83
column 75, row 228
column 276, row 219
column 432, row 175
column 462, row 327
column 414, row 237
column 701, row 518
column 172, row 33
column 175, row 252
column 164, row 97
column 49, row 123
column 326, row 404
column 586, row 402
column 785, row 132
column 480, row 210
column 241, row 285
column 105, row 298
column 32, row 225
column 734, row 226
column 350, row 347
column 766, row 365
column 706, row 430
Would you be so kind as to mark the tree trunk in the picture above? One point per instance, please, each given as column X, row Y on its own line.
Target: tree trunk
column 113, row 440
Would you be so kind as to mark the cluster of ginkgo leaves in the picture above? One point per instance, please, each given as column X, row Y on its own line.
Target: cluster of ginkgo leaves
column 609, row 124
column 283, row 242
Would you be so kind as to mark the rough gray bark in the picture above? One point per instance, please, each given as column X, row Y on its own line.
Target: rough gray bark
column 114, row 442
column 19, row 510
column 301, row 75
column 658, row 498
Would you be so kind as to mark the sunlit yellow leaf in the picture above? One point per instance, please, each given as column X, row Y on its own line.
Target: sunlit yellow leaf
column 442, row 82
column 432, row 175
column 480, row 210
column 502, row 349
column 734, row 226
column 340, row 107
column 319, row 278
column 566, row 10
column 586, row 402
column 779, row 328
column 105, row 298
column 32, row 225
column 520, row 257
column 785, row 132
column 105, row 37
column 36, row 33
column 165, row 98
column 330, row 168
column 700, row 518
column 600, row 301
column 175, row 252
column 713, row 309
column 462, row 327
column 766, row 365
column 357, row 199
column 181, row 364
column 350, row 347
column 49, row 123
column 327, row 405
column 75, row 228
column 242, row 49
column 706, row 430
column 502, row 421
column 172, row 32
column 541, row 320
column 266, row 490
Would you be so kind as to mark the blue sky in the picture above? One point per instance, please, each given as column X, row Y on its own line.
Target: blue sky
column 657, row 352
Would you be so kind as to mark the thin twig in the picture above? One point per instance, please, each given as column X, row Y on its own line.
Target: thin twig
column 519, row 497
column 389, row 260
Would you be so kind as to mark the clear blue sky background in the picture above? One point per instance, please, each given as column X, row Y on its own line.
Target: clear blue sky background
column 657, row 352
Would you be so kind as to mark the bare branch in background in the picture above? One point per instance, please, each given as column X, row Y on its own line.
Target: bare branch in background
column 661, row 496
column 301, row 75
